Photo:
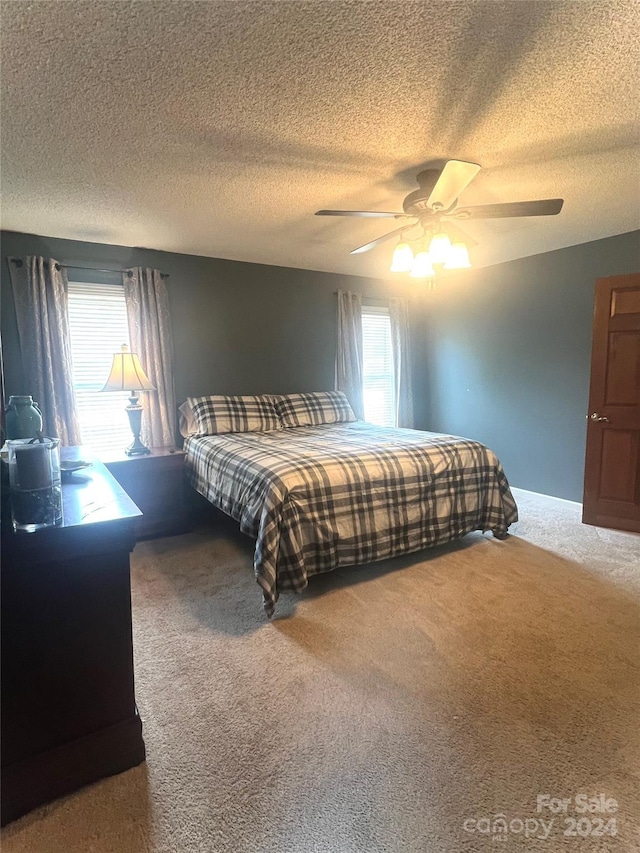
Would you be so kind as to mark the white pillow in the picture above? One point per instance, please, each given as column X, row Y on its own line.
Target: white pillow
column 187, row 420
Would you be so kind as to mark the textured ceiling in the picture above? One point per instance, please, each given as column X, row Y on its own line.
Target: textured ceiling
column 218, row 128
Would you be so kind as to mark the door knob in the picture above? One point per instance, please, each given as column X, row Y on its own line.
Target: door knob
column 598, row 418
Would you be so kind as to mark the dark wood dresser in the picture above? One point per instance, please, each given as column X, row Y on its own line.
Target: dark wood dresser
column 69, row 714
column 156, row 483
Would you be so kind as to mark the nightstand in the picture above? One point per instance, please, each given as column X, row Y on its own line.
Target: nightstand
column 156, row 485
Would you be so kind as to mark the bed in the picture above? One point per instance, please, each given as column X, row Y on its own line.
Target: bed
column 323, row 496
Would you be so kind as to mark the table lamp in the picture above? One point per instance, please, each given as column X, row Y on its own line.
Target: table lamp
column 127, row 375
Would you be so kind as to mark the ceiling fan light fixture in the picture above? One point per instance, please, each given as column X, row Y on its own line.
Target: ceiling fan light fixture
column 439, row 248
column 402, row 260
column 458, row 258
column 422, row 266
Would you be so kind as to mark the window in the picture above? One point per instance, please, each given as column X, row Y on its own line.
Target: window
column 98, row 327
column 378, row 386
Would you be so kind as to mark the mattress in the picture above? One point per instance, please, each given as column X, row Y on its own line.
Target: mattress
column 320, row 497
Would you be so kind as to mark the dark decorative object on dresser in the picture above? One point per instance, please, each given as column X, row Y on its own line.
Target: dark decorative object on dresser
column 156, row 484
column 69, row 715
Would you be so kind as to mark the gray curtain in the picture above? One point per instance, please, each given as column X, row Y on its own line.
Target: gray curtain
column 150, row 333
column 349, row 354
column 401, row 344
column 40, row 296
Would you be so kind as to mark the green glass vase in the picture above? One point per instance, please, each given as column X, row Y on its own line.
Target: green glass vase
column 23, row 417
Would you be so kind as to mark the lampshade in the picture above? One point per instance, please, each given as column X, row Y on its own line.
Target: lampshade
column 439, row 248
column 422, row 266
column 458, row 257
column 127, row 373
column 402, row 260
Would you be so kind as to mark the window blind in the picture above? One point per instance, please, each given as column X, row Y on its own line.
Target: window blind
column 377, row 367
column 98, row 327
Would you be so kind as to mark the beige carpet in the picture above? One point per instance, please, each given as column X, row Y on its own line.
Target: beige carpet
column 389, row 708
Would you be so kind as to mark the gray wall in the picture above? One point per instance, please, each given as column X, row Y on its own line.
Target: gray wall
column 501, row 354
column 509, row 353
column 238, row 328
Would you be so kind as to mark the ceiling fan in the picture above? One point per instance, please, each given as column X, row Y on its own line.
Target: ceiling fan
column 434, row 206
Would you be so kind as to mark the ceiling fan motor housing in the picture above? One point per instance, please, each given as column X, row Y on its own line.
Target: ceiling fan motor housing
column 416, row 202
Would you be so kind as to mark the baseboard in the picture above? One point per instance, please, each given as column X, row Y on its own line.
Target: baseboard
column 552, row 497
column 60, row 771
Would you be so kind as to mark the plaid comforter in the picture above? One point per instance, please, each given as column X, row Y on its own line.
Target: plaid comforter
column 320, row 497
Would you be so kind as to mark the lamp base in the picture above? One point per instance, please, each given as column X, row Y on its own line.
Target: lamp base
column 134, row 411
column 137, row 448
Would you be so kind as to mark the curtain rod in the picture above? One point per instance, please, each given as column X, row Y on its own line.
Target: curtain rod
column 363, row 295
column 18, row 262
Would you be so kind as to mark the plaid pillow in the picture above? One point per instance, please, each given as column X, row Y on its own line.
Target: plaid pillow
column 317, row 407
column 219, row 414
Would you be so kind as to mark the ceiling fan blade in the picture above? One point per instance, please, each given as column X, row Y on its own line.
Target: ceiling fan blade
column 542, row 207
column 382, row 214
column 456, row 175
column 457, row 235
column 377, row 242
